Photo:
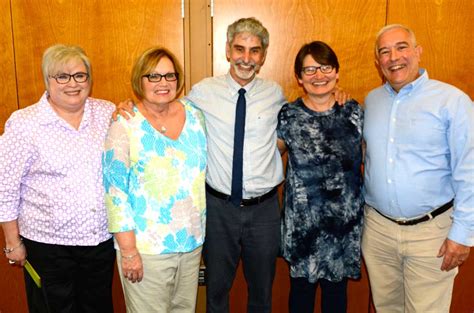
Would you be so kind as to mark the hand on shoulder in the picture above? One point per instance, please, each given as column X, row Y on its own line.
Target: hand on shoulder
column 124, row 109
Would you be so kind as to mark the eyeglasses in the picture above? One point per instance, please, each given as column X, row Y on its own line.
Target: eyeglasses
column 311, row 70
column 64, row 78
column 155, row 77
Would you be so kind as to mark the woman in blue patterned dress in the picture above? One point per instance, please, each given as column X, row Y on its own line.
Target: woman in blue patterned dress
column 154, row 176
column 322, row 221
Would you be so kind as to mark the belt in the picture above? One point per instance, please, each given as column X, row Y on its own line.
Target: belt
column 421, row 219
column 243, row 202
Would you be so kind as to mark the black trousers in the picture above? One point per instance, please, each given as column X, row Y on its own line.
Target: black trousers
column 303, row 293
column 251, row 233
column 75, row 279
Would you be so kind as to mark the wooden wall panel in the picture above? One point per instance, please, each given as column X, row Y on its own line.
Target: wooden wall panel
column 7, row 78
column 347, row 26
column 111, row 32
column 444, row 29
column 11, row 284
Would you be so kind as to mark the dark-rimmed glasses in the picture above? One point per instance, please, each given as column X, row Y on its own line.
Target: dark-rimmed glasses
column 64, row 78
column 155, row 77
column 311, row 70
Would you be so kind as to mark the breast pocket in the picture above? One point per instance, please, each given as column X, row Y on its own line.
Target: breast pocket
column 262, row 125
column 427, row 130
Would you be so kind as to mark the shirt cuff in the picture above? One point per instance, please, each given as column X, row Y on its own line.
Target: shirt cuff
column 458, row 233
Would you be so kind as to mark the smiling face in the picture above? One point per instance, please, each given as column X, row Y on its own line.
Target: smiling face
column 398, row 57
column 69, row 97
column 246, row 55
column 162, row 92
column 318, row 84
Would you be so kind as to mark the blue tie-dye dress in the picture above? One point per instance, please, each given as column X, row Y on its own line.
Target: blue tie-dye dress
column 322, row 221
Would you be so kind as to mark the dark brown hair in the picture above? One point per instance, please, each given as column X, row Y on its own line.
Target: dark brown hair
column 321, row 53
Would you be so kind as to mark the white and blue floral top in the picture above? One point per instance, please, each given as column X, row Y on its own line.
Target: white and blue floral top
column 155, row 185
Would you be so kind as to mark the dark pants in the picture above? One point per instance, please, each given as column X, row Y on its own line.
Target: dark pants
column 251, row 233
column 303, row 293
column 75, row 279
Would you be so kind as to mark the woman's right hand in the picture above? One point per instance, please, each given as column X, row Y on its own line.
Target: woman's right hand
column 132, row 267
column 15, row 250
column 18, row 255
column 124, row 109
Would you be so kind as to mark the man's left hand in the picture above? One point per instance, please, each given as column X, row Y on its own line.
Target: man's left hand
column 341, row 96
column 454, row 254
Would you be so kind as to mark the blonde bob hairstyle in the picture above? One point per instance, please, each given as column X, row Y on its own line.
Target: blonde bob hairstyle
column 56, row 57
column 146, row 63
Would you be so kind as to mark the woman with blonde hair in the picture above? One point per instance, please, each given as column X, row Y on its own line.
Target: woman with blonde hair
column 52, row 207
column 154, row 175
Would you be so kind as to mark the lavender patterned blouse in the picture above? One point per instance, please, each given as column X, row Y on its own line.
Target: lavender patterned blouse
column 51, row 174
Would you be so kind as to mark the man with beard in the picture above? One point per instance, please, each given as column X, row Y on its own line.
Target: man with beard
column 243, row 219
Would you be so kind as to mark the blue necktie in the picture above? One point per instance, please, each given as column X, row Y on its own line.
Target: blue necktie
column 237, row 161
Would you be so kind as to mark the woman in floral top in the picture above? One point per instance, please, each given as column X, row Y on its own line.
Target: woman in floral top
column 154, row 176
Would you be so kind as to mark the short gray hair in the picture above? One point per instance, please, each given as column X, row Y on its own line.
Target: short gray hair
column 249, row 25
column 386, row 28
column 56, row 56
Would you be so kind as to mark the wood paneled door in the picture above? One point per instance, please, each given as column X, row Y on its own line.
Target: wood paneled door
column 348, row 26
column 8, row 92
column 111, row 32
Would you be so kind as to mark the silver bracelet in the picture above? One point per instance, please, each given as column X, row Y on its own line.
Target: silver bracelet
column 129, row 257
column 10, row 250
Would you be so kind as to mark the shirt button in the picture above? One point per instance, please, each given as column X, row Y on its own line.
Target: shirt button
column 94, row 232
column 93, row 210
column 392, row 140
column 394, row 119
column 389, row 181
column 390, row 160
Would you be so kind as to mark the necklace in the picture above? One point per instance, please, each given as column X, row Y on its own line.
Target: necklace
column 162, row 130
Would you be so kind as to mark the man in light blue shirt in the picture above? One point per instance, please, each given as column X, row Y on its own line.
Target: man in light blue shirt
column 249, row 230
column 419, row 181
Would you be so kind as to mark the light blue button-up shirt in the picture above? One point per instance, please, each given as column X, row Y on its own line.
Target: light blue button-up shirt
column 262, row 165
column 420, row 152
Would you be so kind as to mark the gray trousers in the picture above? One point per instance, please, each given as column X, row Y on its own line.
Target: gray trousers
column 251, row 233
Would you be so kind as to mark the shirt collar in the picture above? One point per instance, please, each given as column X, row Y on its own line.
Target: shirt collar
column 411, row 86
column 234, row 87
column 47, row 115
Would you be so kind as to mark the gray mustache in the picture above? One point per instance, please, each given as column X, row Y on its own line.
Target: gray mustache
column 240, row 62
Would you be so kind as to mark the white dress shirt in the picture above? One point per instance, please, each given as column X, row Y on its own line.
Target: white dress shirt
column 262, row 166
